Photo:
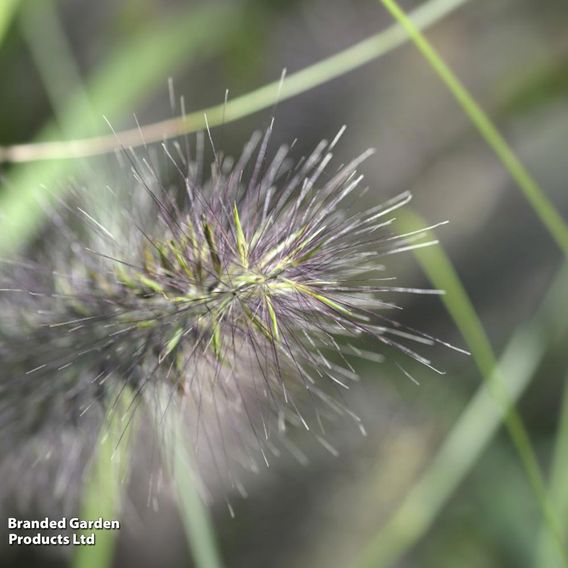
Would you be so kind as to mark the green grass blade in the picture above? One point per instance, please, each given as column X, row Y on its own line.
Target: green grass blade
column 103, row 490
column 504, row 381
column 199, row 529
column 551, row 219
column 547, row 555
column 7, row 11
column 55, row 63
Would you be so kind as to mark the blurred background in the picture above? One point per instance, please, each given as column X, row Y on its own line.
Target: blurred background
column 66, row 63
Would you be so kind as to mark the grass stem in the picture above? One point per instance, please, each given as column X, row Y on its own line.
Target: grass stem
column 549, row 216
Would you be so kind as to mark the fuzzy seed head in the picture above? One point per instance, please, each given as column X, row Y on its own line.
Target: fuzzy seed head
column 236, row 300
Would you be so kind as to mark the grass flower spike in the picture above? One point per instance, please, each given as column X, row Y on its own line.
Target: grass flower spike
column 235, row 299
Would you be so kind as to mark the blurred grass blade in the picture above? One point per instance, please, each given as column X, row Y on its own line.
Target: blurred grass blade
column 195, row 517
column 131, row 71
column 552, row 220
column 503, row 384
column 459, row 452
column 547, row 555
column 55, row 63
column 7, row 11
column 105, row 484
